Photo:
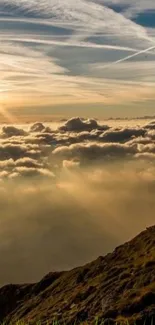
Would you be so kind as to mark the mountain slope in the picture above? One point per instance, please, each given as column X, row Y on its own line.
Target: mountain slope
column 119, row 285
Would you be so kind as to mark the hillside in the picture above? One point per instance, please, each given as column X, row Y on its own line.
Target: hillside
column 119, row 285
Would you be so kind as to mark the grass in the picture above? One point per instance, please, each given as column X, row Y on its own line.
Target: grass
column 119, row 286
column 96, row 322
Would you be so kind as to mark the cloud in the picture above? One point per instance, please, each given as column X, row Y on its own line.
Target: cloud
column 28, row 162
column 122, row 135
column 132, row 70
column 126, row 58
column 70, row 164
column 37, row 127
column 10, row 131
column 76, row 124
column 130, row 8
column 32, row 172
column 12, row 151
column 145, row 156
column 65, row 12
column 150, row 125
column 95, row 152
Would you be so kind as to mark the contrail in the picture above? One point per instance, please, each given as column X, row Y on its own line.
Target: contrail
column 130, row 56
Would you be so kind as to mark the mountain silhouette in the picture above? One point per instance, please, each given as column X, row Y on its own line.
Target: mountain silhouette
column 118, row 286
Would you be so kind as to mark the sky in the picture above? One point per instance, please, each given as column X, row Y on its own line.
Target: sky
column 62, row 58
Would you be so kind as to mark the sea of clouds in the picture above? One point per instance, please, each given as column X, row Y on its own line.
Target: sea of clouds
column 71, row 193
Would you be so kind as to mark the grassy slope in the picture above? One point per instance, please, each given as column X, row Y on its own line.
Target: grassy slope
column 118, row 286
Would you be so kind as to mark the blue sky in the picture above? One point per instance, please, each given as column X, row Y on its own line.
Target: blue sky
column 70, row 55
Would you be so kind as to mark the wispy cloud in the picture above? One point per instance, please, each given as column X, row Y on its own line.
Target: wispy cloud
column 47, row 48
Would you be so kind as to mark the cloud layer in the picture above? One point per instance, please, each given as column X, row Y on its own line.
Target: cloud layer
column 41, row 150
column 71, row 193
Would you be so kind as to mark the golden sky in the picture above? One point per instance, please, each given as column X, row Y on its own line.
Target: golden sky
column 76, row 54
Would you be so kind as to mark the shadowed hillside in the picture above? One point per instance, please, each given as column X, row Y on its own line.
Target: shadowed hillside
column 119, row 285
